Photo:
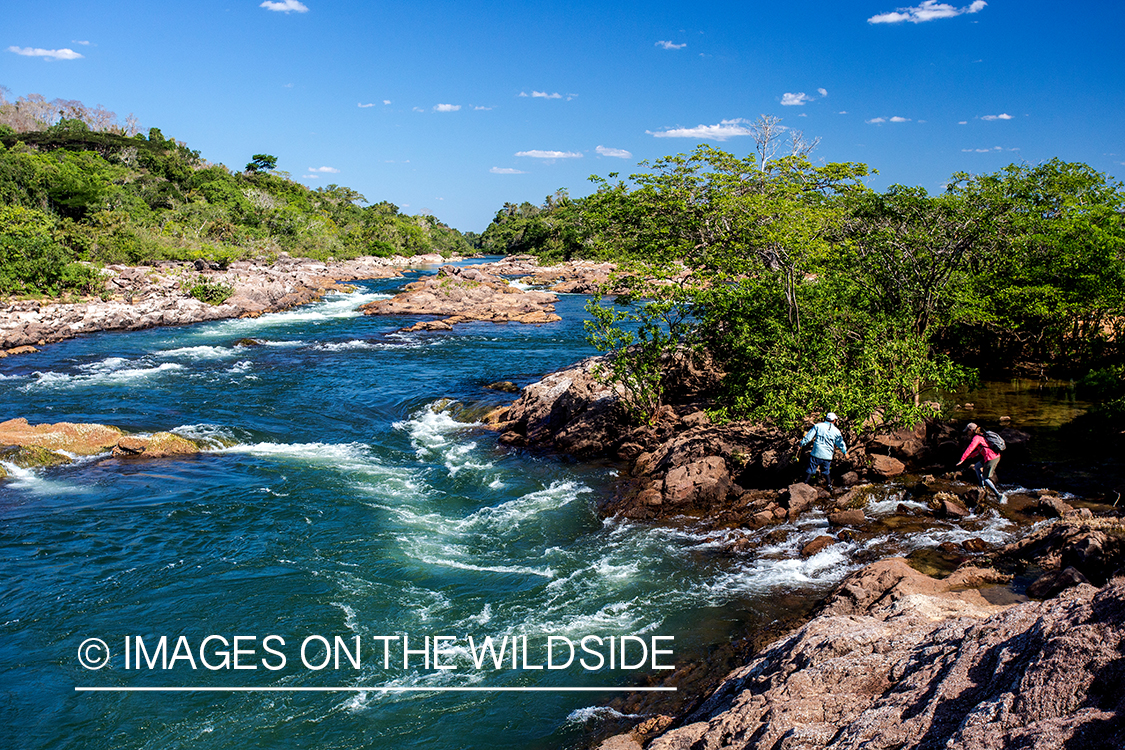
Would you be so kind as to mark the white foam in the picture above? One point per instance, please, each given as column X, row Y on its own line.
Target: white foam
column 29, row 480
column 584, row 715
column 200, row 352
column 106, row 372
column 332, row 307
column 508, row 515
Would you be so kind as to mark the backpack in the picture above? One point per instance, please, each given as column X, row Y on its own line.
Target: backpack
column 995, row 442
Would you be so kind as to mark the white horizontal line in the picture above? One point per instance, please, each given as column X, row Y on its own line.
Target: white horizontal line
column 373, row 689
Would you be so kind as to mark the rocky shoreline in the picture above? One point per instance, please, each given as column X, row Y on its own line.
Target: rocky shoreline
column 138, row 297
column 894, row 657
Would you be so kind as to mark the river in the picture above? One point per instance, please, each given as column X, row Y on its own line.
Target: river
column 339, row 498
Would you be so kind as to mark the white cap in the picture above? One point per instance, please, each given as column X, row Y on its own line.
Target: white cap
column 830, row 416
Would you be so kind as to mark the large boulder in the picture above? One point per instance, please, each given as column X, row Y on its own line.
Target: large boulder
column 701, row 484
column 904, row 661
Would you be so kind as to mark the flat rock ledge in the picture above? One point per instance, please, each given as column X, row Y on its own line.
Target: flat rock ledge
column 897, row 659
column 149, row 296
column 465, row 294
column 27, row 445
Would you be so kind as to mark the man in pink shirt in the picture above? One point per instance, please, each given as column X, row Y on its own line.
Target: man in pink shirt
column 983, row 457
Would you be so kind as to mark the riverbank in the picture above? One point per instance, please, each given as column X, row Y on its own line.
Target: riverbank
column 140, row 297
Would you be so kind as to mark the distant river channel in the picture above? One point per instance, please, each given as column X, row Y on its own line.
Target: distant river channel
column 347, row 565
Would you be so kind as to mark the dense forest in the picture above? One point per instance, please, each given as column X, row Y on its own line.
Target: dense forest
column 78, row 189
column 814, row 292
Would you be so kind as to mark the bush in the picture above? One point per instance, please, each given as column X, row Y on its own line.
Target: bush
column 211, row 292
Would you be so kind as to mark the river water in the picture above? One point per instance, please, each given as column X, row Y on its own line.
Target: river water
column 340, row 499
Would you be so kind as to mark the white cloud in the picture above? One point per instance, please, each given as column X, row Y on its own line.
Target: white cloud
column 79, row 41
column 875, row 121
column 386, row 101
column 618, row 153
column 822, row 92
column 842, row 112
column 506, row 170
column 725, row 129
column 550, row 154
column 900, row 119
column 310, row 177
column 329, row 170
column 365, row 106
column 963, row 122
column 46, row 54
column 790, row 100
column 417, row 109
column 929, row 10
column 446, row 107
column 997, row 117
column 543, row 95
column 670, row 45
column 285, row 6
column 485, row 109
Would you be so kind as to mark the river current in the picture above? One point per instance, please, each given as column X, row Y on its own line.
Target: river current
column 339, row 502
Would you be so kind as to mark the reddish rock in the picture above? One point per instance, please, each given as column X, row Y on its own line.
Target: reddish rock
column 801, row 497
column 1053, row 583
column 886, row 466
column 701, row 483
column 953, row 509
column 816, row 545
column 853, row 517
column 1052, row 507
column 470, row 294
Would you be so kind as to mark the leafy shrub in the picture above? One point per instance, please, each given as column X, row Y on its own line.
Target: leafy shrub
column 211, row 292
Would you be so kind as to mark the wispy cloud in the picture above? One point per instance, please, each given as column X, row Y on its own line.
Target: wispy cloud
column 900, row 119
column 46, row 54
column 724, row 130
column 617, row 153
column 992, row 150
column 483, row 109
column 536, row 154
column 327, row 170
column 795, row 100
column 506, row 170
column 800, row 99
column 446, row 107
column 670, row 45
column 365, row 106
column 929, row 10
column 79, row 41
column 543, row 95
column 881, row 120
column 285, row 6
column 386, row 101
column 997, row 117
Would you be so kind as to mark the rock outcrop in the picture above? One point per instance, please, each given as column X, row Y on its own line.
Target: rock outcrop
column 146, row 297
column 897, row 659
column 467, row 294
column 41, row 445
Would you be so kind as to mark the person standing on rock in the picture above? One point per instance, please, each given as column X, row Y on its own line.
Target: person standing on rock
column 826, row 438
column 983, row 456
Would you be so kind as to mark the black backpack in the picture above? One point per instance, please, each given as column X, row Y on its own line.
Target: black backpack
column 995, row 442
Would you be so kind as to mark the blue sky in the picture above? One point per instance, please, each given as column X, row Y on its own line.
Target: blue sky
column 455, row 108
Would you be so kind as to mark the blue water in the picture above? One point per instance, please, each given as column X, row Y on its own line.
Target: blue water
column 338, row 497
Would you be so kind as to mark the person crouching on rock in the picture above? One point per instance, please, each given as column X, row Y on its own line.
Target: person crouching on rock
column 826, row 438
column 984, row 458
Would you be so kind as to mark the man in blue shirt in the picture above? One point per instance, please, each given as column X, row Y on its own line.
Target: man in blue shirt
column 826, row 438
